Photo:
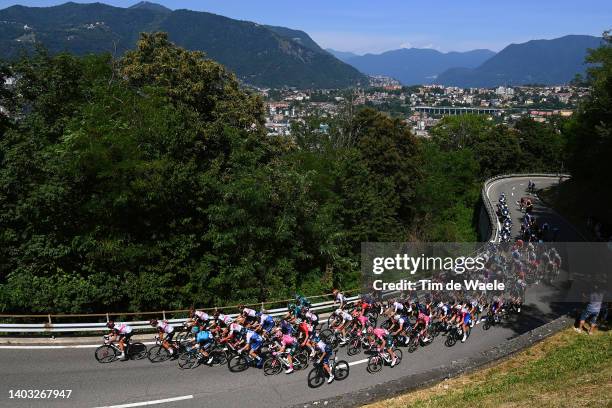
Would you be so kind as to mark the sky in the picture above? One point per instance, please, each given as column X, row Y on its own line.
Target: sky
column 375, row 26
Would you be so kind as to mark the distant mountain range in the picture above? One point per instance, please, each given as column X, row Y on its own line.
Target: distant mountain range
column 413, row 66
column 548, row 62
column 259, row 55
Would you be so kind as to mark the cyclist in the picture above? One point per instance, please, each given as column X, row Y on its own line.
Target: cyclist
column 347, row 319
column 266, row 322
column 466, row 320
column 423, row 320
column 312, row 318
column 253, row 342
column 339, row 298
column 165, row 332
column 121, row 332
column 287, row 343
column 199, row 316
column 326, row 351
column 384, row 339
column 204, row 340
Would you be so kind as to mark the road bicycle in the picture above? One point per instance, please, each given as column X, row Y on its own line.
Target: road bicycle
column 192, row 357
column 278, row 360
column 317, row 376
column 455, row 333
column 381, row 358
column 109, row 351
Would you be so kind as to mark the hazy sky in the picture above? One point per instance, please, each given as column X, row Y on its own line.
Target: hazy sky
column 374, row 26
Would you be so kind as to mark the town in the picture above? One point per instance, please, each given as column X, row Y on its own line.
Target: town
column 422, row 106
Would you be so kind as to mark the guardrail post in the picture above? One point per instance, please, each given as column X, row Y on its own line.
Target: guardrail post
column 50, row 324
column 163, row 315
column 107, row 317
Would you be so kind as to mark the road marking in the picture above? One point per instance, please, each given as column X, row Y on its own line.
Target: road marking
column 365, row 360
column 155, row 402
column 75, row 346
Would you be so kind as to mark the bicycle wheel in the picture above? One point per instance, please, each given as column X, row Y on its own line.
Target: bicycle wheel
column 451, row 339
column 341, row 370
column 105, row 354
column 188, row 360
column 272, row 366
column 137, row 351
column 158, row 353
column 300, row 360
column 413, row 345
column 486, row 325
column 316, row 377
column 219, row 357
column 375, row 364
column 398, row 355
column 238, row 363
column 326, row 335
column 354, row 347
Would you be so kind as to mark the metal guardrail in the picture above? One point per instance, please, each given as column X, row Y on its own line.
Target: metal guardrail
column 489, row 206
column 137, row 325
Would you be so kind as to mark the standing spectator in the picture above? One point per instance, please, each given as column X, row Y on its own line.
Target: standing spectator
column 591, row 312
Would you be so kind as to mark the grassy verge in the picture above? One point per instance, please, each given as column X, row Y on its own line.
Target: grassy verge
column 566, row 370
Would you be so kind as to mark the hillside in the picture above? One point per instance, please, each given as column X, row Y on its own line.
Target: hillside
column 412, row 66
column 548, row 62
column 258, row 54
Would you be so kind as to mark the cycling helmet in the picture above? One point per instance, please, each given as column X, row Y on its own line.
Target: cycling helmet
column 195, row 329
column 153, row 322
column 110, row 324
column 338, row 311
column 370, row 330
column 396, row 317
column 440, row 304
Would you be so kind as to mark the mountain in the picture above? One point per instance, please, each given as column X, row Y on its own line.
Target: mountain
column 259, row 55
column 412, row 66
column 341, row 55
column 145, row 5
column 548, row 62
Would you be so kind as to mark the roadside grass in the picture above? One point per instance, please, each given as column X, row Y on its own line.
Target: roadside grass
column 565, row 370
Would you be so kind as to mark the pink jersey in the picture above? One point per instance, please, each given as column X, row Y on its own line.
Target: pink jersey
column 287, row 340
column 362, row 319
column 380, row 333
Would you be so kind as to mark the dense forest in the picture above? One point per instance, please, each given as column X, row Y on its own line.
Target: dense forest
column 149, row 182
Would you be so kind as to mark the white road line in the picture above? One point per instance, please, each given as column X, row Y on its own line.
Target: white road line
column 365, row 360
column 155, row 402
column 75, row 346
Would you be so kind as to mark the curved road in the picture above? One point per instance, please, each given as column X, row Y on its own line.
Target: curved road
column 127, row 384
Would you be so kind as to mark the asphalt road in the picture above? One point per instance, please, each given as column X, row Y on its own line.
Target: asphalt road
column 129, row 383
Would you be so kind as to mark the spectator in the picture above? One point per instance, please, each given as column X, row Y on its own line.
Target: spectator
column 591, row 312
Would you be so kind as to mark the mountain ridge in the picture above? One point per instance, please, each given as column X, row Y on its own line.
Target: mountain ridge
column 412, row 66
column 549, row 62
column 260, row 55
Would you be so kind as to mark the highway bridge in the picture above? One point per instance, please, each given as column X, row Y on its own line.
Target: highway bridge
column 141, row 383
column 456, row 110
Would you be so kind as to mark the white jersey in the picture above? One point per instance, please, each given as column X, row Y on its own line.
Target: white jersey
column 321, row 345
column 235, row 327
column 225, row 319
column 346, row 316
column 249, row 312
column 123, row 328
column 203, row 316
column 165, row 327
column 313, row 317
